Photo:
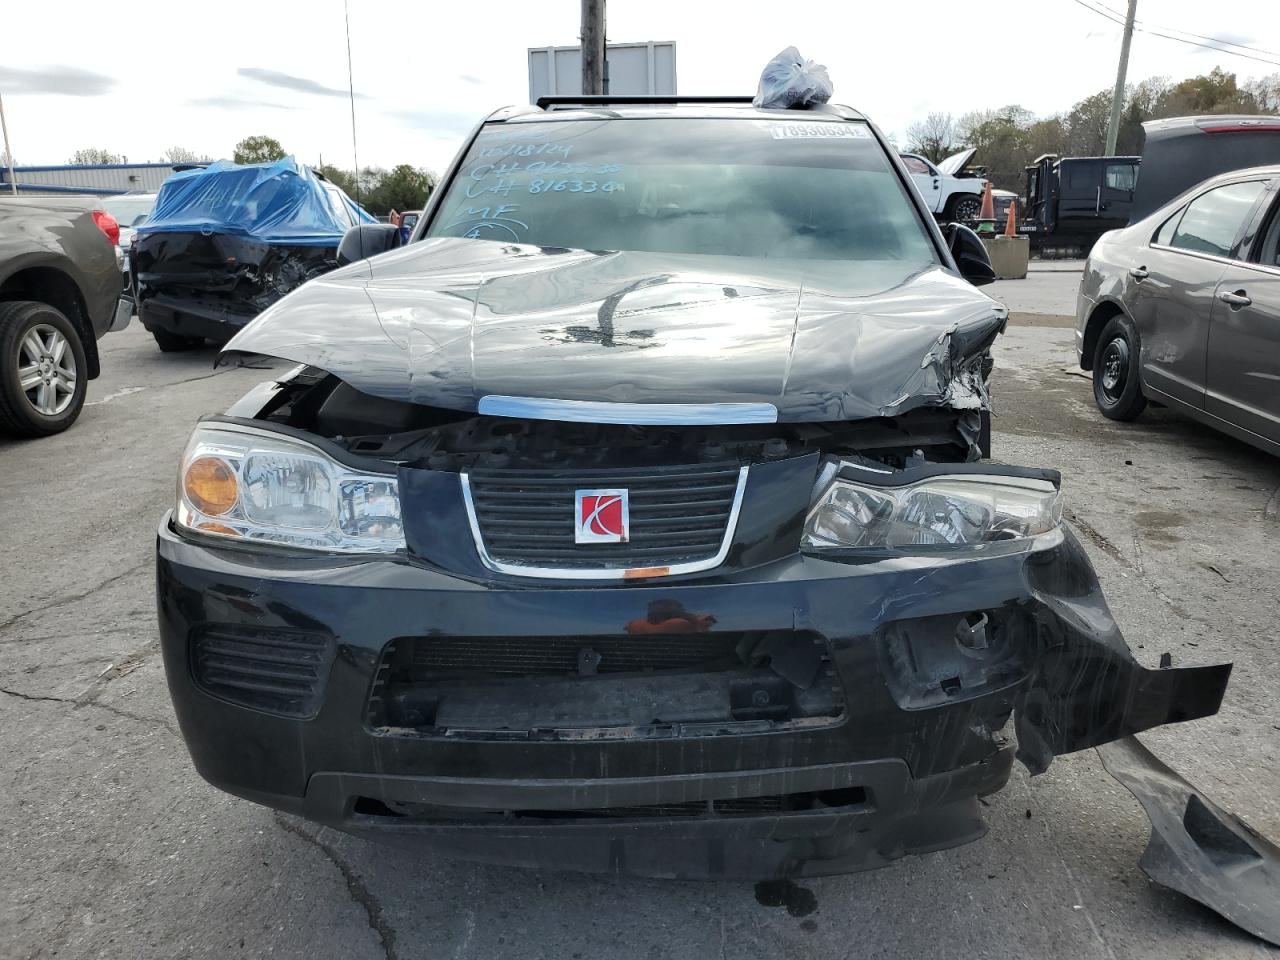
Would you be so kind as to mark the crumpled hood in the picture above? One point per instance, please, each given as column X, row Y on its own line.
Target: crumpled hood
column 449, row 321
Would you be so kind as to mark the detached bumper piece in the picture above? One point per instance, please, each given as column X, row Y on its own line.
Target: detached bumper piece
column 1196, row 847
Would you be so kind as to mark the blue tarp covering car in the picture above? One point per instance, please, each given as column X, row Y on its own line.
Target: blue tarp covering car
column 281, row 202
column 228, row 240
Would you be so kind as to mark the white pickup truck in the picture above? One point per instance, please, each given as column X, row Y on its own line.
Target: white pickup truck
column 948, row 193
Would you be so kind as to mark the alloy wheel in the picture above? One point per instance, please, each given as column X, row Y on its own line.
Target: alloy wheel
column 46, row 369
column 968, row 208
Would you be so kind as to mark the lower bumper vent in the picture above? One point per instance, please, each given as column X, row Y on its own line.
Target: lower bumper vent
column 843, row 799
column 629, row 685
column 278, row 671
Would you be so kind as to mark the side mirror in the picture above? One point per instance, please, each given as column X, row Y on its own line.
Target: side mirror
column 367, row 240
column 969, row 253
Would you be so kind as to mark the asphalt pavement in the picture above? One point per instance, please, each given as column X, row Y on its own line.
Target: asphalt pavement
column 112, row 846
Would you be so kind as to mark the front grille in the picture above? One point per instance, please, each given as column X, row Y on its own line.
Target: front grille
column 277, row 670
column 431, row 658
column 679, row 515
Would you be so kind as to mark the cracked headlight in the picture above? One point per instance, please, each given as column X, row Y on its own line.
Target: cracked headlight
column 948, row 511
column 247, row 484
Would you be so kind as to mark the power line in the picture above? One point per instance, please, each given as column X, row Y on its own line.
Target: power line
column 1105, row 13
column 1102, row 13
column 1205, row 46
column 1198, row 36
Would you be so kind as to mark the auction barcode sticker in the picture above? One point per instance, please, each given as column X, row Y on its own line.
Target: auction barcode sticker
column 820, row 130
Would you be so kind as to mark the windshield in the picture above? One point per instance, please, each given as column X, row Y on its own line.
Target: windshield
column 792, row 189
column 129, row 211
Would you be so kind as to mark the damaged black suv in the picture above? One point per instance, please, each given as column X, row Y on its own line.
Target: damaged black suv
column 634, row 516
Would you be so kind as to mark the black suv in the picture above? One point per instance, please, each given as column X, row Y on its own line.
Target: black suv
column 634, row 517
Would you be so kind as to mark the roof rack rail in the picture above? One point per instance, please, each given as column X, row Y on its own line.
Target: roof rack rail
column 595, row 100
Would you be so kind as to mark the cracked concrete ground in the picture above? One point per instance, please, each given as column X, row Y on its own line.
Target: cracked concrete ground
column 113, row 847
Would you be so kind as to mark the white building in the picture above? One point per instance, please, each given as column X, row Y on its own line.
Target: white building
column 102, row 179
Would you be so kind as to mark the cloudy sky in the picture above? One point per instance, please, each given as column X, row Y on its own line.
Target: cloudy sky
column 141, row 79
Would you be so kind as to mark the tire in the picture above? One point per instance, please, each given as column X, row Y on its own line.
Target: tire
column 967, row 206
column 175, row 343
column 1117, row 389
column 39, row 346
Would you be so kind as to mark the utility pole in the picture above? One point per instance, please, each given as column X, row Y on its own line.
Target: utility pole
column 592, row 40
column 1117, row 98
column 8, row 154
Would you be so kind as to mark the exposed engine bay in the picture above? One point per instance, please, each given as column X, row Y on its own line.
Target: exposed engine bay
column 452, row 440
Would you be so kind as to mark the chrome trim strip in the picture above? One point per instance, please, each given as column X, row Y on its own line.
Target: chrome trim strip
column 600, row 573
column 655, row 414
column 1199, row 254
column 1246, row 264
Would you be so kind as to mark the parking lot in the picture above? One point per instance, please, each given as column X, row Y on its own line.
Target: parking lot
column 114, row 847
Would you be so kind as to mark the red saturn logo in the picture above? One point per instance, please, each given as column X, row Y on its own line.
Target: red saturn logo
column 601, row 516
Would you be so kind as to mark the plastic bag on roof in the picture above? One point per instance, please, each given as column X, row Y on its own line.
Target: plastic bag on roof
column 789, row 80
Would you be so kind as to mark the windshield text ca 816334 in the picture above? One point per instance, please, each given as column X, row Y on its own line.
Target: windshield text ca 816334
column 752, row 187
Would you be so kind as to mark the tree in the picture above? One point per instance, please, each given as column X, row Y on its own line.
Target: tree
column 94, row 155
column 378, row 190
column 1087, row 125
column 1000, row 138
column 932, row 137
column 344, row 180
column 1045, row 136
column 258, row 149
column 1213, row 92
column 183, row 155
column 1265, row 92
column 404, row 187
column 1009, row 138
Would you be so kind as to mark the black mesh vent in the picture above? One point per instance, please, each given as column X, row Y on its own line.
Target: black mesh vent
column 678, row 514
column 276, row 670
column 437, row 658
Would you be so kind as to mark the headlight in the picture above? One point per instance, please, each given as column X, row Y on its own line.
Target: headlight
column 250, row 484
column 950, row 511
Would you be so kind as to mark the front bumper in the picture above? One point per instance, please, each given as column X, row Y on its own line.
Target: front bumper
column 898, row 771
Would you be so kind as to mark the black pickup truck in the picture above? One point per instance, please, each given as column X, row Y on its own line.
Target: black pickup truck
column 59, row 292
column 1072, row 201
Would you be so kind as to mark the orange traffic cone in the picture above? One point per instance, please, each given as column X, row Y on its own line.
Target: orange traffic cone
column 988, row 203
column 1011, row 225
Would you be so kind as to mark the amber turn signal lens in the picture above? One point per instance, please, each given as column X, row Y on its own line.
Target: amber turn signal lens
column 210, row 527
column 210, row 485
